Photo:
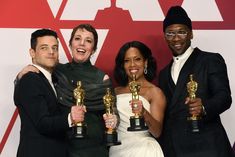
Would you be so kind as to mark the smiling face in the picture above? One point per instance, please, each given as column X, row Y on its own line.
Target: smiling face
column 134, row 64
column 46, row 52
column 82, row 45
column 181, row 39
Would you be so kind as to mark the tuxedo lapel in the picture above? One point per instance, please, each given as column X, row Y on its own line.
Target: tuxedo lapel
column 183, row 79
column 167, row 84
column 47, row 84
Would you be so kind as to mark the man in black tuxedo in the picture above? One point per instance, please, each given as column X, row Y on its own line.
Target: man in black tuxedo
column 204, row 137
column 43, row 122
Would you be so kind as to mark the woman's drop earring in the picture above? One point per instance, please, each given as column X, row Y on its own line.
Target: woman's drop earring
column 145, row 69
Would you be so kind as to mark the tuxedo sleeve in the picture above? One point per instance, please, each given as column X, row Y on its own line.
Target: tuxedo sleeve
column 219, row 97
column 34, row 99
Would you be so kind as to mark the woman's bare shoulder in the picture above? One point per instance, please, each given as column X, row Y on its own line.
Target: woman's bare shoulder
column 152, row 92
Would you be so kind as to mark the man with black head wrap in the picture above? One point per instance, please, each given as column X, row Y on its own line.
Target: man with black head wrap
column 205, row 136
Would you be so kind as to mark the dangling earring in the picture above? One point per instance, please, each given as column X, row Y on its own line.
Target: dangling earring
column 145, row 69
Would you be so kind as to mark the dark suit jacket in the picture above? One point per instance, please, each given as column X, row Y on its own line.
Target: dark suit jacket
column 43, row 124
column 209, row 70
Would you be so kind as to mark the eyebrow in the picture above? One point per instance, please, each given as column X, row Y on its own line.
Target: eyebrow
column 43, row 45
column 89, row 37
column 48, row 45
column 180, row 29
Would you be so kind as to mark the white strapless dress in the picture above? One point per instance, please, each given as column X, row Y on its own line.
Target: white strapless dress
column 134, row 143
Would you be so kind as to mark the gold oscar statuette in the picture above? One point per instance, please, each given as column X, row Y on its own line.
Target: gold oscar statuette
column 194, row 120
column 79, row 129
column 137, row 122
column 111, row 135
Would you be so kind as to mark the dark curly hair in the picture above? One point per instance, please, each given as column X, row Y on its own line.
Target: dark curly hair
column 119, row 72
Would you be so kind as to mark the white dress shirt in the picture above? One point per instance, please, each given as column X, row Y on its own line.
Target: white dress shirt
column 47, row 74
column 179, row 62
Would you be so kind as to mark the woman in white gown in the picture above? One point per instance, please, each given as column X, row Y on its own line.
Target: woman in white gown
column 135, row 58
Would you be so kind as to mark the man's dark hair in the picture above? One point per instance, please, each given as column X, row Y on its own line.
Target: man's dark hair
column 41, row 33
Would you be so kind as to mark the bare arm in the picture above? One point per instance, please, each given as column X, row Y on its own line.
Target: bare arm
column 154, row 118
